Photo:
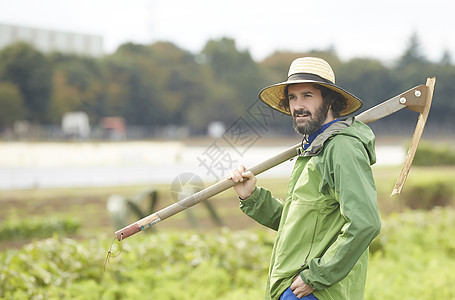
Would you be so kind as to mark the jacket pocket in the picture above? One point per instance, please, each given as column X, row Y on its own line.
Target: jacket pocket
column 295, row 239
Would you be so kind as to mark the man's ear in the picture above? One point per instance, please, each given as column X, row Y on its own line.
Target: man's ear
column 330, row 113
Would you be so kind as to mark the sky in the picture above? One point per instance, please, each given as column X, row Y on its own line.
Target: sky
column 354, row 28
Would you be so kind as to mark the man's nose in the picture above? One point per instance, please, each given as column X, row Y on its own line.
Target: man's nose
column 300, row 103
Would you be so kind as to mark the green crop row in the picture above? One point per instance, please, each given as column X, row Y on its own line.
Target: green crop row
column 434, row 154
column 427, row 192
column 37, row 227
column 413, row 258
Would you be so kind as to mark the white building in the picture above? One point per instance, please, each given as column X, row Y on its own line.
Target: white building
column 48, row 41
column 75, row 124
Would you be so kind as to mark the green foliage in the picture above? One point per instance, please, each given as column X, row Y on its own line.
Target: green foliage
column 160, row 266
column 37, row 227
column 154, row 85
column 414, row 250
column 133, row 72
column 161, row 84
column 234, row 67
column 235, row 80
column 413, row 54
column 427, row 192
column 79, row 84
column 29, row 70
column 431, row 154
column 366, row 78
column 11, row 103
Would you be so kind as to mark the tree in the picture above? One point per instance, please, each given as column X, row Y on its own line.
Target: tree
column 413, row 54
column 276, row 66
column 11, row 103
column 79, row 83
column 443, row 105
column 446, row 58
column 236, row 80
column 231, row 66
column 368, row 79
column 413, row 68
column 133, row 86
column 186, row 83
column 30, row 71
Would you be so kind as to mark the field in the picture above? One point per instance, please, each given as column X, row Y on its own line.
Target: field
column 189, row 256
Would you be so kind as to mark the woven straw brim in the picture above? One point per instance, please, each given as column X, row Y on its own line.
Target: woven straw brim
column 272, row 95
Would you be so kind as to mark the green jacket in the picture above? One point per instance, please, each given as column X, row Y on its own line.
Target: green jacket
column 329, row 217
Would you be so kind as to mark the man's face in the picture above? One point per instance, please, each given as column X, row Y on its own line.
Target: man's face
column 307, row 108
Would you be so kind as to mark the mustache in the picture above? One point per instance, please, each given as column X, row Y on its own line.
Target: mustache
column 301, row 112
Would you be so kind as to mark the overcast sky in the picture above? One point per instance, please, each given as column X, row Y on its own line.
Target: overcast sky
column 355, row 28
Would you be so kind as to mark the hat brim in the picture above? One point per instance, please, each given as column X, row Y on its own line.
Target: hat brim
column 274, row 94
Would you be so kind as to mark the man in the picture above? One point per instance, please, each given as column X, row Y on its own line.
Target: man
column 330, row 214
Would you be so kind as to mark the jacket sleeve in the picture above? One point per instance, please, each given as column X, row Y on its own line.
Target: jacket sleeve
column 263, row 208
column 348, row 172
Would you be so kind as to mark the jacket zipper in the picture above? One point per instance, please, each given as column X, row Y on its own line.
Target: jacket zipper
column 312, row 242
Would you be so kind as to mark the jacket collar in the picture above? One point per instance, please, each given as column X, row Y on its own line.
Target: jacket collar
column 313, row 136
column 316, row 145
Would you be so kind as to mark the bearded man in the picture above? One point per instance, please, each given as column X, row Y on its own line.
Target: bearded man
column 330, row 214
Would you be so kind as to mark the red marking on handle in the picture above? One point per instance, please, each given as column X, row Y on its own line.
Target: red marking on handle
column 127, row 231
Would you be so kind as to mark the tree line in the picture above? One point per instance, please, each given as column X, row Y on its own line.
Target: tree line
column 161, row 84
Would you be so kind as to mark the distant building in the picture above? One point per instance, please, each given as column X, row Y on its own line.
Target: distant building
column 114, row 128
column 76, row 124
column 48, row 41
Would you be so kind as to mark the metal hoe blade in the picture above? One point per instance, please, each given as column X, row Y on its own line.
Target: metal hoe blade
column 424, row 111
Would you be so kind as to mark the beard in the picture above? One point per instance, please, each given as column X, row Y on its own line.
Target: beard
column 314, row 122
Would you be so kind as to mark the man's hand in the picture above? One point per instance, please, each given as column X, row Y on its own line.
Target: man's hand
column 300, row 288
column 246, row 180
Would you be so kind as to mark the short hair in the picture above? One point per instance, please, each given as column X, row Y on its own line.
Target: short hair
column 332, row 99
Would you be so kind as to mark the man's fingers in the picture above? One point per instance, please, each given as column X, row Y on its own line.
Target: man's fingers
column 244, row 173
column 300, row 288
column 240, row 174
column 236, row 175
column 247, row 175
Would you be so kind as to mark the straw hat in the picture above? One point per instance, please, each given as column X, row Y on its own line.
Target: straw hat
column 308, row 70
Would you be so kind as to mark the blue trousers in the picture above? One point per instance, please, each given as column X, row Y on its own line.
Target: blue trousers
column 289, row 295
